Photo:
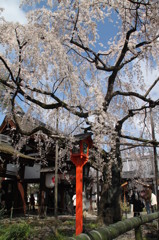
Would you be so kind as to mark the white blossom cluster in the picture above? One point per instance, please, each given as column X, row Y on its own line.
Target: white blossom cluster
column 53, row 62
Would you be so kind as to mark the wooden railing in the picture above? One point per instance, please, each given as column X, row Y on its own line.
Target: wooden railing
column 119, row 228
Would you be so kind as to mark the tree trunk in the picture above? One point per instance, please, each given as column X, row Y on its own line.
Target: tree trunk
column 109, row 206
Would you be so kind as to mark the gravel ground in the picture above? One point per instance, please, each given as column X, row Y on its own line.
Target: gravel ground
column 47, row 227
column 148, row 232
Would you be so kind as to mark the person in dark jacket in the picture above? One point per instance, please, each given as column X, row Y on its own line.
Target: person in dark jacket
column 137, row 203
column 32, row 202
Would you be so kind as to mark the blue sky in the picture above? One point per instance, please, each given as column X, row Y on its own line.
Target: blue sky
column 1, row 117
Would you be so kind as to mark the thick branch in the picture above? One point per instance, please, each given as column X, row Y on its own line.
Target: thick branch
column 44, row 129
column 151, row 87
column 8, row 68
column 134, row 94
column 146, row 42
column 140, row 139
column 5, row 83
column 53, row 105
column 112, row 78
column 139, row 2
column 97, row 58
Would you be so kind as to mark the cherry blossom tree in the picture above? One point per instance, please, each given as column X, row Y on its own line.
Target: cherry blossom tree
column 62, row 59
column 3, row 89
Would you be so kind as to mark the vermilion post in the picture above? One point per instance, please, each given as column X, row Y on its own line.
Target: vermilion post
column 79, row 201
column 79, row 157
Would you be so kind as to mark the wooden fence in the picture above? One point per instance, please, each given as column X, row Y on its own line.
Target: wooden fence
column 119, row 228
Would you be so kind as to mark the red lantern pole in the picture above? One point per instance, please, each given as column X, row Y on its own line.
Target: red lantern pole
column 79, row 201
column 79, row 162
column 80, row 158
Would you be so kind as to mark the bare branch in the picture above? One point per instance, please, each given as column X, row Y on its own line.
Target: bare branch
column 140, row 139
column 134, row 94
column 151, row 87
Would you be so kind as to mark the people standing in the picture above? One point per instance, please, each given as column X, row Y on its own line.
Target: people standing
column 137, row 202
column 74, row 202
column 146, row 195
column 32, row 202
column 153, row 202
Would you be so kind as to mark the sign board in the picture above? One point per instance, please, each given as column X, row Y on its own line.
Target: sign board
column 12, row 169
column 32, row 172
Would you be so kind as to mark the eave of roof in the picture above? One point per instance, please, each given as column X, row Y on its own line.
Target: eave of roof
column 8, row 149
column 82, row 136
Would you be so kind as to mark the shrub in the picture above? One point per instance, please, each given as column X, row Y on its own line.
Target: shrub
column 19, row 231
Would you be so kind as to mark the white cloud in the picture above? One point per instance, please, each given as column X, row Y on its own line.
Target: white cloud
column 12, row 12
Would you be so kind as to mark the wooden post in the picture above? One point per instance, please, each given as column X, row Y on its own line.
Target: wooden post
column 56, row 174
column 56, row 181
column 154, row 150
column 138, row 233
column 11, row 213
column 21, row 190
column 97, row 192
column 155, row 163
column 79, row 200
